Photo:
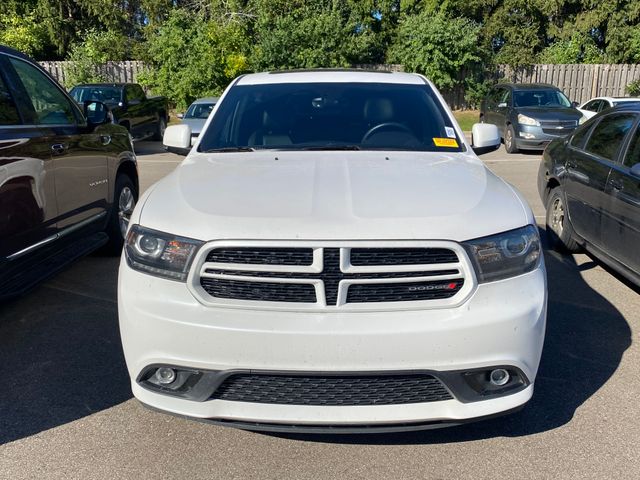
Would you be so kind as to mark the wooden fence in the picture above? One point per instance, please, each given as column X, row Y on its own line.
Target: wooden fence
column 579, row 82
column 125, row 72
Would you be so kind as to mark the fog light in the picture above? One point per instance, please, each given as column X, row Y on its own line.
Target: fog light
column 165, row 375
column 499, row 377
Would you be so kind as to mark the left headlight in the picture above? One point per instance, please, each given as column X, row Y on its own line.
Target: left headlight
column 524, row 120
column 506, row 254
column 161, row 254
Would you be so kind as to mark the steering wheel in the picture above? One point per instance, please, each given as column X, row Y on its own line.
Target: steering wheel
column 380, row 126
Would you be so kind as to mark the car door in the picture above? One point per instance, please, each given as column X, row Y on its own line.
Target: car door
column 503, row 109
column 621, row 216
column 587, row 172
column 27, row 190
column 79, row 161
column 136, row 110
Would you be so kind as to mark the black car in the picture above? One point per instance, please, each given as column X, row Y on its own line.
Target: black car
column 590, row 184
column 68, row 177
column 529, row 116
column 143, row 116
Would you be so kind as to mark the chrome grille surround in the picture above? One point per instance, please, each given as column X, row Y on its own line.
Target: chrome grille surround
column 353, row 275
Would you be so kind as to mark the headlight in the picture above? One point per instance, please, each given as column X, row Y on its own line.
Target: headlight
column 160, row 254
column 506, row 254
column 524, row 120
column 583, row 119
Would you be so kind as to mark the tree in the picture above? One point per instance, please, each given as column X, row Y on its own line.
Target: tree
column 438, row 46
column 22, row 33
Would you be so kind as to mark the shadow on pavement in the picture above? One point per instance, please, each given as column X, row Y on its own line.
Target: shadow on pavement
column 60, row 351
column 585, row 339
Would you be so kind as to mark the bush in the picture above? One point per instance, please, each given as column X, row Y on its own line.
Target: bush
column 191, row 57
column 633, row 88
column 438, row 46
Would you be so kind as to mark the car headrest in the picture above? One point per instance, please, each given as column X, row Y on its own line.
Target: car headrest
column 378, row 110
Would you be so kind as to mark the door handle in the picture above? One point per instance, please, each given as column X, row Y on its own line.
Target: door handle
column 58, row 148
column 105, row 139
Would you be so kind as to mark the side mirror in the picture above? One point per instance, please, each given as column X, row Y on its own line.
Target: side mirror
column 177, row 136
column 574, row 104
column 96, row 113
column 635, row 170
column 502, row 105
column 485, row 138
column 180, row 115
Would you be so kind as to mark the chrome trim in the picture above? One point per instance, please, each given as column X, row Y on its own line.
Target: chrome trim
column 57, row 236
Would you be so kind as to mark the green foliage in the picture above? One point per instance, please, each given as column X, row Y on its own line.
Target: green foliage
column 438, row 46
column 95, row 49
column 191, row 57
column 633, row 89
column 577, row 49
column 22, row 33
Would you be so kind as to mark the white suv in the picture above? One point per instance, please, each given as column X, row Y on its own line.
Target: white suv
column 332, row 256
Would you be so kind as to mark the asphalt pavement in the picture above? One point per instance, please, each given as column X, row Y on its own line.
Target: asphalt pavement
column 66, row 409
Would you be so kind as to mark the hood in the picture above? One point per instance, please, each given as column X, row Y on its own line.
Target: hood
column 196, row 124
column 333, row 196
column 551, row 113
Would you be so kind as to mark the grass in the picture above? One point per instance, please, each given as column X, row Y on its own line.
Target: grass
column 466, row 118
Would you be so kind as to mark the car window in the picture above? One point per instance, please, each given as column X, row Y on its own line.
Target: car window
column 51, row 106
column 199, row 110
column 331, row 115
column 593, row 105
column 134, row 92
column 108, row 95
column 547, row 97
column 577, row 139
column 8, row 111
column 604, row 104
column 607, row 136
column 633, row 152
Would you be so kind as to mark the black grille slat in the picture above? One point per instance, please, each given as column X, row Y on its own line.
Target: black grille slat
column 332, row 390
column 259, row 291
column 402, row 292
column 401, row 256
column 262, row 256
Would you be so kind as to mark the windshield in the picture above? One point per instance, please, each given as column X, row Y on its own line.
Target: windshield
column 540, row 98
column 108, row 95
column 331, row 116
column 199, row 110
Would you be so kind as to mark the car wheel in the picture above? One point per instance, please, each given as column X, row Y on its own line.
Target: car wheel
column 510, row 140
column 162, row 126
column 125, row 197
column 559, row 230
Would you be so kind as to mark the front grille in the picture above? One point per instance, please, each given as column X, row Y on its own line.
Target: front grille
column 343, row 275
column 558, row 127
column 262, row 256
column 402, row 292
column 332, row 389
column 259, row 291
column 401, row 256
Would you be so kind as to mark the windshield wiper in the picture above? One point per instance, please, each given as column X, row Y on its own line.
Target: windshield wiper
column 333, row 147
column 229, row 149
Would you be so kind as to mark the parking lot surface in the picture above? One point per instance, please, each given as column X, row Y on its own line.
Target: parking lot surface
column 66, row 409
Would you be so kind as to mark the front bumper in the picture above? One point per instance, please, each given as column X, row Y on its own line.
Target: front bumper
column 530, row 137
column 502, row 323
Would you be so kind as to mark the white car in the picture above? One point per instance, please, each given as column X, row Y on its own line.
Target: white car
column 332, row 256
column 595, row 105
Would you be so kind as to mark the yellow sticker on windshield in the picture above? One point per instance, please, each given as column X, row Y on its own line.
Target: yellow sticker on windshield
column 446, row 142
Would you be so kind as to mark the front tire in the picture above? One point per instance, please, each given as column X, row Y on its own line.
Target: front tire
column 125, row 197
column 161, row 127
column 559, row 230
column 510, row 140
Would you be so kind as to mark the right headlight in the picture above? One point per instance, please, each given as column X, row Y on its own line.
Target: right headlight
column 160, row 254
column 506, row 254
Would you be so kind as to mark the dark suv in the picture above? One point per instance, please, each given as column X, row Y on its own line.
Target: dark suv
column 68, row 178
column 529, row 116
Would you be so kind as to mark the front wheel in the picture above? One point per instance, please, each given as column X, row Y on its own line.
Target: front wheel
column 125, row 198
column 559, row 230
column 161, row 127
column 510, row 140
